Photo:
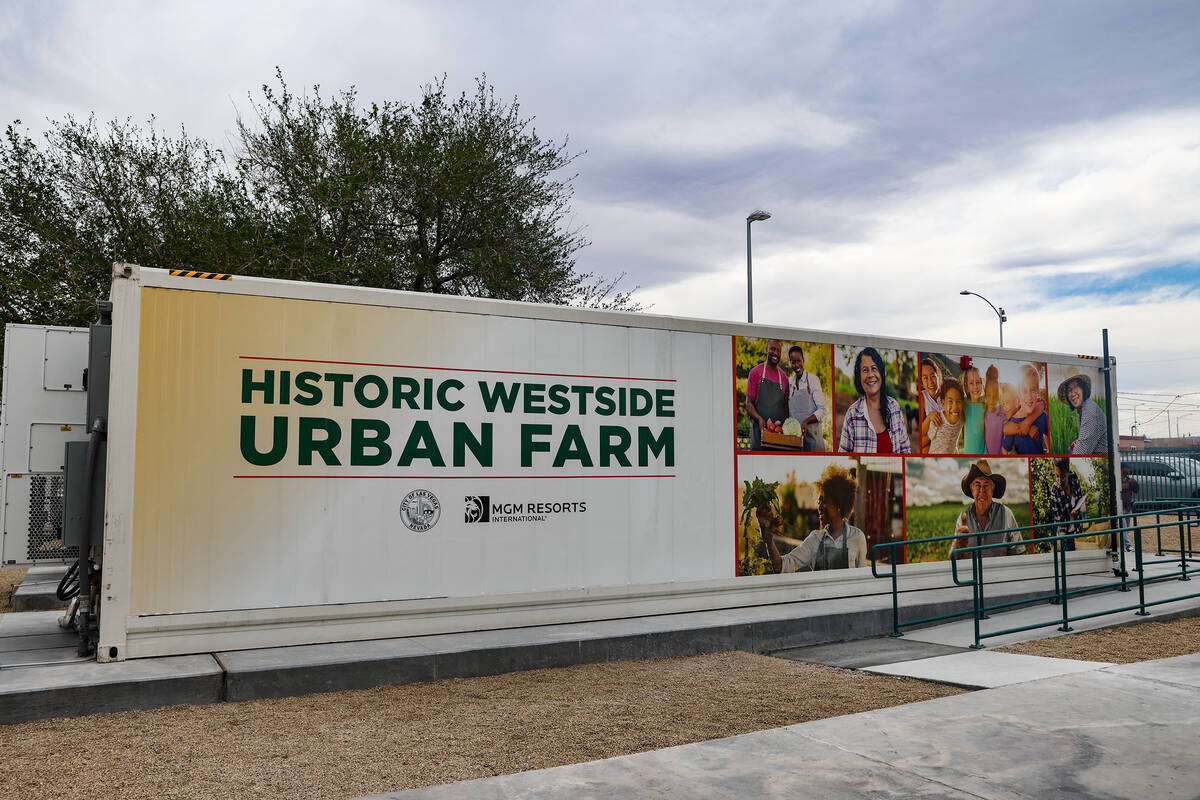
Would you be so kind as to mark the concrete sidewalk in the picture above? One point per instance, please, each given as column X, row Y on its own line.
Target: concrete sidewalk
column 1110, row 732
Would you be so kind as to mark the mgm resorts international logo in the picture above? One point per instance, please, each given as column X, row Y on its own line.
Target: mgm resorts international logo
column 481, row 508
column 420, row 510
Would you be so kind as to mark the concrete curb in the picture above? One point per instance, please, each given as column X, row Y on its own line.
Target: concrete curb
column 67, row 690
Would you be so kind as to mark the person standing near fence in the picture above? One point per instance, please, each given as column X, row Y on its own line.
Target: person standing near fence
column 1129, row 488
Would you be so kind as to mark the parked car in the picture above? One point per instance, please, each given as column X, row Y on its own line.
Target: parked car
column 1164, row 477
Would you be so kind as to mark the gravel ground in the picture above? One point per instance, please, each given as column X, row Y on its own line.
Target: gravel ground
column 1143, row 641
column 1170, row 534
column 10, row 579
column 354, row 743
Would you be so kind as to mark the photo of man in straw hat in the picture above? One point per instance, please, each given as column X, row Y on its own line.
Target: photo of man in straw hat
column 984, row 515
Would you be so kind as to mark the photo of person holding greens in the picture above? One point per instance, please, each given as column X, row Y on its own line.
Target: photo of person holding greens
column 838, row 544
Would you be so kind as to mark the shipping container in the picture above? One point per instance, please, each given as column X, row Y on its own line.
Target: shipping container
column 292, row 463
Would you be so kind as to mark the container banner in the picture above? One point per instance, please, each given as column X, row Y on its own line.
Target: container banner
column 950, row 443
column 376, row 453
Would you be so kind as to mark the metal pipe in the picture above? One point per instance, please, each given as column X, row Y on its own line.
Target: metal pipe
column 1119, row 560
column 999, row 312
column 749, row 278
column 755, row 216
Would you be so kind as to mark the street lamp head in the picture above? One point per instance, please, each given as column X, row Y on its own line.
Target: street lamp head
column 758, row 216
column 964, row 291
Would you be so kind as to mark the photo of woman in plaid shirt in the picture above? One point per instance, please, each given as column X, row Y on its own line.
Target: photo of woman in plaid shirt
column 875, row 423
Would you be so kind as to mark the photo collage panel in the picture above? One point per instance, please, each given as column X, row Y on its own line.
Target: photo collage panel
column 841, row 448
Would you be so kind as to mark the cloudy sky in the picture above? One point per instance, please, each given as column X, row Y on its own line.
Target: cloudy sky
column 1043, row 154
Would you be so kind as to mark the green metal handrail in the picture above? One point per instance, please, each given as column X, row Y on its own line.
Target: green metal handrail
column 1061, row 594
column 1165, row 505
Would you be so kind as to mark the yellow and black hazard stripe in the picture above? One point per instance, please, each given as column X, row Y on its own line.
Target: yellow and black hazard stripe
column 1091, row 358
column 212, row 276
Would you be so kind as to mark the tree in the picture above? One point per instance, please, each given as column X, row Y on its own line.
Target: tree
column 92, row 195
column 447, row 195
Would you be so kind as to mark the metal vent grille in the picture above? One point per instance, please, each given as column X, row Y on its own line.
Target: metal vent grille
column 45, row 519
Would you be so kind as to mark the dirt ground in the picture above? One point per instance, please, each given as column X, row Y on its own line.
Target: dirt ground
column 1143, row 641
column 10, row 579
column 354, row 743
column 1170, row 533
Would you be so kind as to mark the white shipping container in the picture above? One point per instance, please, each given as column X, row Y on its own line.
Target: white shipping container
column 293, row 463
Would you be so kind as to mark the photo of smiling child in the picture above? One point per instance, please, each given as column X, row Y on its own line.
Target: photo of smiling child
column 931, row 384
column 1002, row 406
column 973, row 412
column 1025, row 431
column 942, row 429
column 993, row 418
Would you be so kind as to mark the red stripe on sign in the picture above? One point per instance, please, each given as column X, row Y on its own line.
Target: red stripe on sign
column 455, row 369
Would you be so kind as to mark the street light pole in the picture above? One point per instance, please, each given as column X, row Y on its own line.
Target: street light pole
column 755, row 216
column 999, row 313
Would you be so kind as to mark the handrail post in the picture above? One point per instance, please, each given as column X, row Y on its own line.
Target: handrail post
column 1054, row 560
column 977, row 594
column 978, row 575
column 1192, row 517
column 1137, row 537
column 1066, row 626
column 1137, row 557
column 1185, row 547
column 895, row 597
column 1158, row 531
column 1119, row 538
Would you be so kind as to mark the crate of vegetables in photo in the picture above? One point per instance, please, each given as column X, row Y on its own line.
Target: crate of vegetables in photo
column 783, row 436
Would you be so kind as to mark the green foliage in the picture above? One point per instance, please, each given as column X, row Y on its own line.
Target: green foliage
column 759, row 500
column 1064, row 426
column 929, row 522
column 759, row 497
column 1093, row 483
column 1100, row 498
column 1042, row 474
column 92, row 195
column 455, row 195
column 791, row 519
column 755, row 561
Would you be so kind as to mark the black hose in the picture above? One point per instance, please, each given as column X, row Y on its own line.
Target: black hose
column 68, row 587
